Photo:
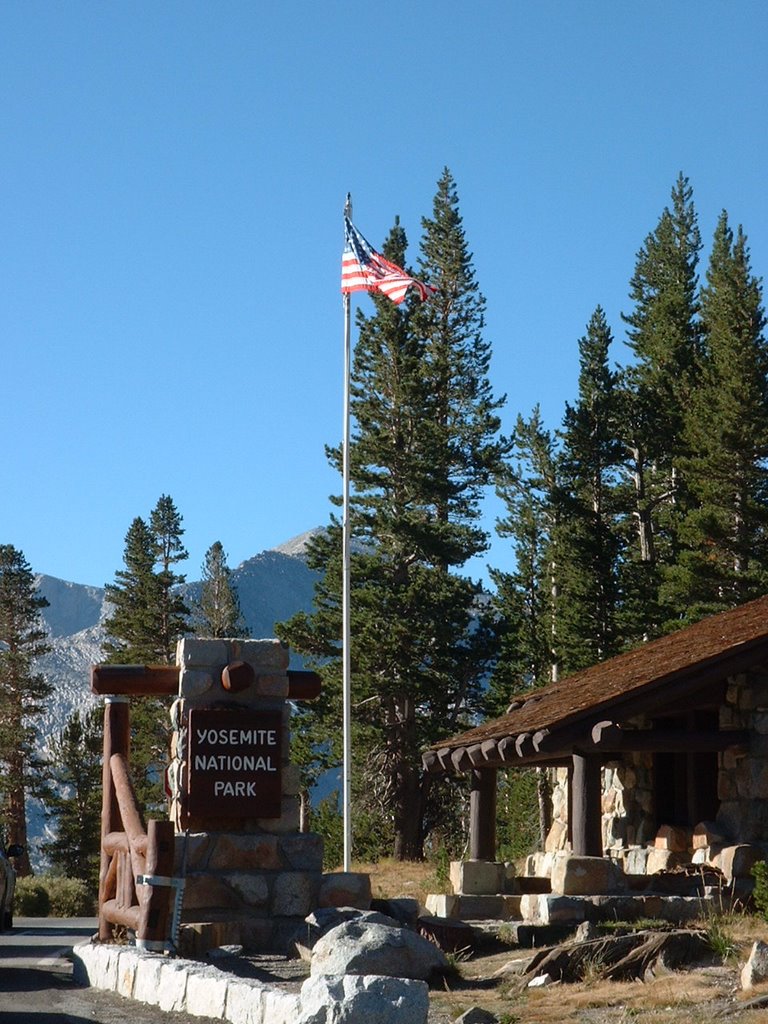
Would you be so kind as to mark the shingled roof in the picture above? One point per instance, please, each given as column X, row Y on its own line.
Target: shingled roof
column 657, row 671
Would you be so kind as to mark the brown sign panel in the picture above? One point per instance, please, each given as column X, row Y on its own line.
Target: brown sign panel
column 234, row 763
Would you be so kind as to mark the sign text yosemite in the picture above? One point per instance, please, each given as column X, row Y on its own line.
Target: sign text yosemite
column 234, row 763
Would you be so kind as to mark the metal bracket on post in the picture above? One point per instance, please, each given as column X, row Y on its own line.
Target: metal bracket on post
column 174, row 883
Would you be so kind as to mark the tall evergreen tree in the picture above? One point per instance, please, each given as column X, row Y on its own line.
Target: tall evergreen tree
column 133, row 627
column 664, row 334
column 423, row 449
column 588, row 546
column 74, row 801
column 526, row 598
column 173, row 613
column 148, row 617
column 726, row 532
column 23, row 693
column 218, row 612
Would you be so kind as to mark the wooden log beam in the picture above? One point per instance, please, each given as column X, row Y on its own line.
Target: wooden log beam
column 135, row 680
column 444, row 757
column 524, row 744
column 155, row 901
column 656, row 741
column 163, row 680
column 115, row 841
column 476, row 756
column 116, row 740
column 129, row 806
column 482, row 815
column 585, row 812
column 126, row 916
column 460, row 760
column 507, row 750
column 303, row 685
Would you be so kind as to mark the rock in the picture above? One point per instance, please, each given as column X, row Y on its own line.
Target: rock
column 756, row 968
column 350, row 999
column 403, row 909
column 477, row 877
column 324, row 919
column 707, row 833
column 663, row 860
column 585, row 876
column 541, row 981
column 670, row 837
column 345, row 889
column 447, row 933
column 477, row 1015
column 586, row 931
column 737, row 861
column 357, row 947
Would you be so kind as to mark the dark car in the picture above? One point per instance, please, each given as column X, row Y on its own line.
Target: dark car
column 7, row 884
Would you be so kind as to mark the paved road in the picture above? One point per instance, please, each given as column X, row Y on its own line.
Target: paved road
column 36, row 985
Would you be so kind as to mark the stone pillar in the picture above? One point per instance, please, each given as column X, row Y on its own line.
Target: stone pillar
column 482, row 815
column 586, row 807
column 250, row 876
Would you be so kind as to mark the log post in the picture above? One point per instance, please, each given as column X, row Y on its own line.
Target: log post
column 155, row 900
column 116, row 741
column 586, row 809
column 482, row 815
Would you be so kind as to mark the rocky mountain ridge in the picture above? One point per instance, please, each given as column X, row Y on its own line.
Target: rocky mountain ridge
column 271, row 586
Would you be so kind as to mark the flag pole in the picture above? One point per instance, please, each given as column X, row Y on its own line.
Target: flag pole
column 345, row 588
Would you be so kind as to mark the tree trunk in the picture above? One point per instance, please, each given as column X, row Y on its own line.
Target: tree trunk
column 544, row 794
column 305, row 807
column 17, row 828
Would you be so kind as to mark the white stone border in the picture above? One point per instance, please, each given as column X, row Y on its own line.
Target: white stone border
column 204, row 991
column 183, row 985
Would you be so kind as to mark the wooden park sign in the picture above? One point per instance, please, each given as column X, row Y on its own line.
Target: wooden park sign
column 234, row 763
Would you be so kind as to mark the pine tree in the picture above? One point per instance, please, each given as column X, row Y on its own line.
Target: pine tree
column 218, row 612
column 148, row 617
column 588, row 546
column 74, row 802
column 166, row 529
column 726, row 532
column 526, row 598
column 133, row 627
column 23, row 693
column 422, row 451
column 664, row 334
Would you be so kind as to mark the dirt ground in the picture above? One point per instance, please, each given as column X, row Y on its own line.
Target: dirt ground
column 708, row 992
column 705, row 993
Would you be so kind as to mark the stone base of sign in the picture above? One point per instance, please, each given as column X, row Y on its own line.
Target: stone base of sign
column 254, row 890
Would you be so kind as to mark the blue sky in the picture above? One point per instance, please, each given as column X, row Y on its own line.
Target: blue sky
column 173, row 177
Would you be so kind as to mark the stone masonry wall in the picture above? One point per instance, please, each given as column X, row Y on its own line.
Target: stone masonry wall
column 743, row 776
column 627, row 797
column 248, row 880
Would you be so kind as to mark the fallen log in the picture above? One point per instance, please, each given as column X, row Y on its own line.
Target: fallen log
column 620, row 957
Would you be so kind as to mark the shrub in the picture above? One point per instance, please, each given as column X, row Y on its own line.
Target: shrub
column 53, row 896
column 760, row 875
column 31, row 898
column 69, row 897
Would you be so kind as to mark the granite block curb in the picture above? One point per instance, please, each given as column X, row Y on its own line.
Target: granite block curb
column 182, row 985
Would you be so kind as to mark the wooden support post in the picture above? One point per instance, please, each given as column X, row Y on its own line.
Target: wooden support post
column 585, row 807
column 116, row 741
column 155, row 900
column 482, row 815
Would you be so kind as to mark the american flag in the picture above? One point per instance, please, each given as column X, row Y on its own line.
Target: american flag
column 365, row 270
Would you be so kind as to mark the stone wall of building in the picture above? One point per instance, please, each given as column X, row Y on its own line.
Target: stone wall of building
column 627, row 796
column 743, row 774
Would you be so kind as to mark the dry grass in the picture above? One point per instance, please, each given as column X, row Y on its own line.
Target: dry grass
column 391, row 879
column 701, row 994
